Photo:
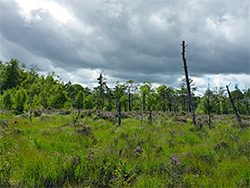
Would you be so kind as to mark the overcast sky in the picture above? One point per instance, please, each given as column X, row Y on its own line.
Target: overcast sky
column 130, row 39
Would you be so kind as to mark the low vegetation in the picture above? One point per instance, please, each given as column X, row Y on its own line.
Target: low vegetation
column 51, row 151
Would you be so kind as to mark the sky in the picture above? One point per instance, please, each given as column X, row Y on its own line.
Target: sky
column 136, row 40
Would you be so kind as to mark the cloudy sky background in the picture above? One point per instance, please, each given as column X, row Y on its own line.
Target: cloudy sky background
column 130, row 39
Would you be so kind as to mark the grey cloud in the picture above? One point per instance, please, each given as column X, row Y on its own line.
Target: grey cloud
column 137, row 40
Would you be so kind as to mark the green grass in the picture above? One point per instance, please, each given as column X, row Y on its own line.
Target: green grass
column 50, row 151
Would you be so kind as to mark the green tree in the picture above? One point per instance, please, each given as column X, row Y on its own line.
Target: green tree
column 79, row 100
column 124, row 102
column 20, row 99
column 9, row 75
column 7, row 100
column 44, row 98
column 59, row 98
column 207, row 104
column 247, row 100
column 130, row 86
column 238, row 98
column 119, row 91
column 72, row 90
column 183, row 98
column 223, row 101
column 88, row 102
column 171, row 97
column 144, row 92
column 162, row 91
column 100, row 91
column 110, row 97
column 36, row 102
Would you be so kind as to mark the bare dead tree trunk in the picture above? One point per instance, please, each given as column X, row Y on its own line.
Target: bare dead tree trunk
column 141, row 116
column 129, row 100
column 209, row 115
column 164, row 105
column 208, row 103
column 144, row 102
column 232, row 102
column 188, row 83
column 119, row 114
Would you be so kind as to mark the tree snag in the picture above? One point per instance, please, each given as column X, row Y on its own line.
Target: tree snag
column 119, row 114
column 232, row 102
column 187, row 82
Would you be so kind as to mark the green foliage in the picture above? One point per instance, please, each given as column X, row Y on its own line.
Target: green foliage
column 20, row 99
column 79, row 100
column 58, row 99
column 43, row 91
column 7, row 100
column 88, row 102
column 10, row 74
column 122, row 175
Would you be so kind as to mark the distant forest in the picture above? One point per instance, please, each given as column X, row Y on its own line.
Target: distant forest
column 23, row 88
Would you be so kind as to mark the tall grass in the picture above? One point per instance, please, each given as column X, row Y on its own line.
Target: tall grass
column 50, row 151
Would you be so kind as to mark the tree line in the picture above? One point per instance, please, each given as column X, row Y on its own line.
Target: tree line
column 23, row 88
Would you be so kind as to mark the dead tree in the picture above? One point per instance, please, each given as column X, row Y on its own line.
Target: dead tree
column 119, row 114
column 232, row 102
column 209, row 114
column 208, row 103
column 187, row 82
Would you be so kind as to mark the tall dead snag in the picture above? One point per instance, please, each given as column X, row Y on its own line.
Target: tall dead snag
column 187, row 81
column 208, row 94
column 232, row 102
column 208, row 110
column 119, row 114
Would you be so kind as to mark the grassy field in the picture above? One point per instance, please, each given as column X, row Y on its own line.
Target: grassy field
column 50, row 151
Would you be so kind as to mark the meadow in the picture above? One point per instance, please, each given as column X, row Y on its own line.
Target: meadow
column 50, row 151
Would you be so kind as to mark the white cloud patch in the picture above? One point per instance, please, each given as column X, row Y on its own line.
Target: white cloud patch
column 59, row 12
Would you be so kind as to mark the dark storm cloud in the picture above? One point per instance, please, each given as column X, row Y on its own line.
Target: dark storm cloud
column 137, row 40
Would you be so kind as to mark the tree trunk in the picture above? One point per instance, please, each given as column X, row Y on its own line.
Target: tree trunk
column 129, row 100
column 188, row 83
column 141, row 116
column 232, row 102
column 144, row 102
column 119, row 114
column 150, row 117
column 208, row 110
